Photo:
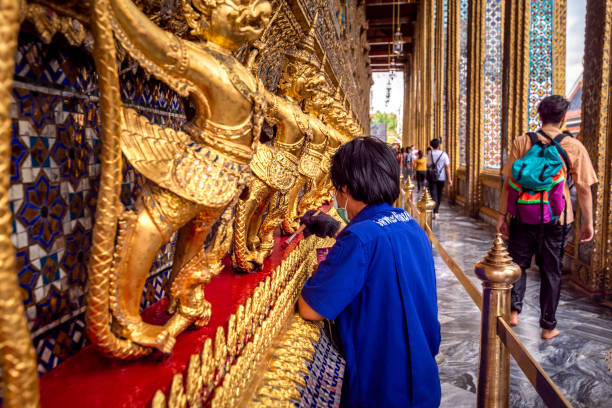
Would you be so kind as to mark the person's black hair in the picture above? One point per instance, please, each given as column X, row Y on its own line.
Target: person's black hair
column 368, row 169
column 435, row 143
column 552, row 109
column 420, row 154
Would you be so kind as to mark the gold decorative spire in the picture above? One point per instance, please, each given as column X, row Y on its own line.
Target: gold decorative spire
column 338, row 90
column 497, row 266
column 323, row 61
column 309, row 40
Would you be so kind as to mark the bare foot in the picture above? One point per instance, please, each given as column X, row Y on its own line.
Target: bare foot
column 549, row 334
column 513, row 318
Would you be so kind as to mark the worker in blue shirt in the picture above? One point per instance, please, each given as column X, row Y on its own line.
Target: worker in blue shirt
column 378, row 284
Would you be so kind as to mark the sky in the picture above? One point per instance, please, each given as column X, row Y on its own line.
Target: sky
column 576, row 14
column 378, row 95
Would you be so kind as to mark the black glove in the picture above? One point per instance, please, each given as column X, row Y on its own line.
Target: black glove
column 321, row 225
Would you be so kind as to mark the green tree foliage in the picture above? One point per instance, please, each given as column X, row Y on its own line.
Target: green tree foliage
column 388, row 118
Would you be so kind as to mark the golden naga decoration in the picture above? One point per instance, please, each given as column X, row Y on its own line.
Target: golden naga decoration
column 17, row 358
column 194, row 176
column 275, row 168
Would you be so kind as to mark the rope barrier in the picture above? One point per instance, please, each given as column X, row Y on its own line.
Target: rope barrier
column 544, row 386
column 465, row 281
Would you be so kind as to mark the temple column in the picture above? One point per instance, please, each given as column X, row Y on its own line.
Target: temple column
column 439, row 73
column 419, row 76
column 592, row 271
column 475, row 99
column 406, row 121
column 559, row 33
column 452, row 91
column 515, row 71
column 429, row 70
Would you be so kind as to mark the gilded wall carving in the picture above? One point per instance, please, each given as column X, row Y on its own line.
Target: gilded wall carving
column 57, row 150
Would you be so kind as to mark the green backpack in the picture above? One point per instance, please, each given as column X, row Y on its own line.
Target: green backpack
column 536, row 169
column 535, row 195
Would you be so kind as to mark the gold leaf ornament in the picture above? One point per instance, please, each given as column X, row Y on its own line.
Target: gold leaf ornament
column 197, row 13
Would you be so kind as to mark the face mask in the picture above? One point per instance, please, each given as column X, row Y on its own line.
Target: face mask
column 342, row 213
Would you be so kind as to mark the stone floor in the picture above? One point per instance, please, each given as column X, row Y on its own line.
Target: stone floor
column 574, row 360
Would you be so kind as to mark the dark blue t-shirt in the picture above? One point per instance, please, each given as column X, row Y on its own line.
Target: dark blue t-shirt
column 378, row 283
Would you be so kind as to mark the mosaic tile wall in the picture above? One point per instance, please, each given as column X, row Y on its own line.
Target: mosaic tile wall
column 540, row 57
column 492, row 84
column 325, row 376
column 54, row 184
column 463, row 28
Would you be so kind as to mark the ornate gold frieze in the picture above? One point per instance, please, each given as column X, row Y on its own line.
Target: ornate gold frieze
column 239, row 357
column 49, row 19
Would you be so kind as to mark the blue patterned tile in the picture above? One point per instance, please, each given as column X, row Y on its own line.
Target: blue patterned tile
column 19, row 152
column 76, row 256
column 76, row 205
column 42, row 211
column 39, row 152
column 53, row 306
column 38, row 108
column 50, row 270
column 71, row 150
column 27, row 275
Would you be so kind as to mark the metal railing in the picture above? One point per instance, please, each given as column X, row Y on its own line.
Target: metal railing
column 497, row 340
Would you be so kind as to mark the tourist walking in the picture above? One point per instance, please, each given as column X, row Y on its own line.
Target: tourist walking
column 438, row 173
column 421, row 168
column 407, row 163
column 536, row 209
column 378, row 283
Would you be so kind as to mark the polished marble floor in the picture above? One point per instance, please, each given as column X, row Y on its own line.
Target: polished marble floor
column 574, row 360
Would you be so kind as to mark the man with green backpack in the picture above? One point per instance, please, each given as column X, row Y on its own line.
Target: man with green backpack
column 536, row 210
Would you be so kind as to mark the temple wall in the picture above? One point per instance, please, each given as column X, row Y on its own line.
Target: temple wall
column 54, row 184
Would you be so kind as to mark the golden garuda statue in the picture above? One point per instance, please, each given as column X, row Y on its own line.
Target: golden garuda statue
column 194, row 176
column 275, row 167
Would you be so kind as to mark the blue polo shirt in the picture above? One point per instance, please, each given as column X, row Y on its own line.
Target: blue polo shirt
column 378, row 283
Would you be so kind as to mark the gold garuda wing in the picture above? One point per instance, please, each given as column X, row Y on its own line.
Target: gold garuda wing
column 175, row 161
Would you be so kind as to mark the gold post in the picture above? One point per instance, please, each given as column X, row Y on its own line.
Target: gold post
column 425, row 206
column 408, row 190
column 400, row 198
column 498, row 273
